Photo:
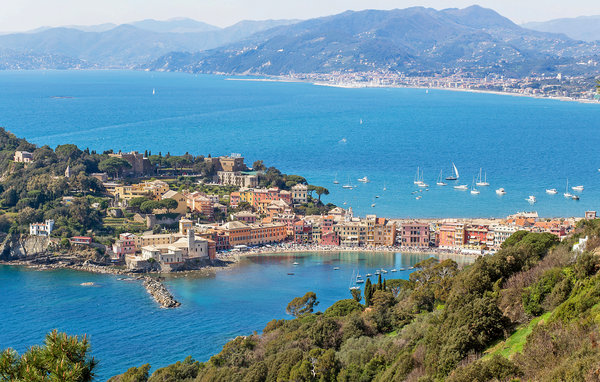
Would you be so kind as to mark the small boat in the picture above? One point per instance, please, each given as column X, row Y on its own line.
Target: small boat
column 348, row 186
column 290, row 273
column 361, row 121
column 482, row 182
column 354, row 288
column 335, row 181
column 577, row 188
column 423, row 185
column 462, row 187
column 384, row 187
column 440, row 182
column 364, row 180
column 87, row 284
column 376, row 196
column 454, row 175
column 373, row 205
column 417, row 179
column 419, row 197
column 345, row 203
column 567, row 194
column 531, row 199
column 575, row 197
column 551, row 191
column 377, row 272
column 369, row 275
column 384, row 271
column 500, row 191
column 402, row 269
column 474, row 191
column 360, row 281
column 153, row 91
column 295, row 263
column 394, row 270
column 336, row 268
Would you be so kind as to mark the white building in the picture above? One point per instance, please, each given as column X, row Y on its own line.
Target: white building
column 300, row 194
column 185, row 248
column 498, row 234
column 41, row 229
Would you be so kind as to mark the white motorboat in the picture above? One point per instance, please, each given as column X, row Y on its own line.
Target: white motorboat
column 531, row 199
column 575, row 197
column 454, row 175
column 373, row 205
column 461, row 187
column 500, row 191
column 440, row 182
column 551, row 191
column 482, row 182
column 577, row 188
column 419, row 197
column 364, row 180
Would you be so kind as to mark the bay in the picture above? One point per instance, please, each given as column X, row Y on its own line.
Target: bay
column 524, row 144
column 127, row 328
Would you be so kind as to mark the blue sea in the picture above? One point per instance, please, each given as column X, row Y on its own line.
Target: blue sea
column 524, row 145
column 127, row 328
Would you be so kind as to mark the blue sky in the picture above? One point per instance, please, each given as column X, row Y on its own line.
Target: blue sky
column 20, row 15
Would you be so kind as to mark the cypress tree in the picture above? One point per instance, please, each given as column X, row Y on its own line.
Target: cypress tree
column 368, row 292
column 379, row 283
column 384, row 286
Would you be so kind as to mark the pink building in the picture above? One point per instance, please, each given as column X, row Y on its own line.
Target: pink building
column 330, row 238
column 123, row 247
column 415, row 234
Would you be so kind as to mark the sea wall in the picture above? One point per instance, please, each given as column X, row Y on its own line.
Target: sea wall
column 160, row 293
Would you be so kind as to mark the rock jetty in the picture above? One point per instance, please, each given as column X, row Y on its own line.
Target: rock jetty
column 160, row 293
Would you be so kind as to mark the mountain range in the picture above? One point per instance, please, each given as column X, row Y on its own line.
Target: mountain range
column 126, row 45
column 585, row 28
column 417, row 41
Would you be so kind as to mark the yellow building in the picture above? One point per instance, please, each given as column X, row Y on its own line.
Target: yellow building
column 154, row 189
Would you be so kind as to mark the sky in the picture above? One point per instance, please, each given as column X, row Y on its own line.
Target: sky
column 21, row 15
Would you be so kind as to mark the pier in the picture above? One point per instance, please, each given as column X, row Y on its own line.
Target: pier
column 160, row 293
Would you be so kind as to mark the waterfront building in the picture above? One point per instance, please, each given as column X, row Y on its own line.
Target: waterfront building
column 380, row 231
column 236, row 178
column 185, row 248
column 140, row 165
column 124, row 246
column 351, row 233
column 415, row 234
column 590, row 215
column 240, row 233
column 452, row 236
column 302, row 232
column 330, row 238
column 300, row 194
column 476, row 235
column 41, row 229
column 23, row 157
column 498, row 234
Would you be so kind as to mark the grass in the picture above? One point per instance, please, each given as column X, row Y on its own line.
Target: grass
column 514, row 343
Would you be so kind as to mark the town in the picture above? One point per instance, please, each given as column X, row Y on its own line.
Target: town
column 176, row 228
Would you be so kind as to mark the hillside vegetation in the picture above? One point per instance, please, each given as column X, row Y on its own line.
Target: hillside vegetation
column 529, row 312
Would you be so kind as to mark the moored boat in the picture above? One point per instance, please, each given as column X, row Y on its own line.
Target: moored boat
column 500, row 191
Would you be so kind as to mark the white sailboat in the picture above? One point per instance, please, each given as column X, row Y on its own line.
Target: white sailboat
column 482, row 182
column 454, row 175
column 335, row 181
column 474, row 191
column 461, row 187
column 567, row 194
column 417, row 179
column 440, row 182
column 348, row 186
column 384, row 187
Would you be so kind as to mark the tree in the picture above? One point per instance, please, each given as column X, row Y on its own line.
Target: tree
column 356, row 294
column 320, row 191
column 300, row 306
column 68, row 151
column 169, row 204
column 259, row 166
column 368, row 292
column 113, row 165
column 61, row 358
column 148, row 206
column 137, row 202
column 133, row 374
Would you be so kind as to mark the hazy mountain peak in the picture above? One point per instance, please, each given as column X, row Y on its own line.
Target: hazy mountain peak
column 585, row 28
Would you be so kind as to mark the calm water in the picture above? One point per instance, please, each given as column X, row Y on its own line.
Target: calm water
column 525, row 145
column 127, row 328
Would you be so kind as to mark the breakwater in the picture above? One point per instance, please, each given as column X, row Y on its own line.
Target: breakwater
column 160, row 293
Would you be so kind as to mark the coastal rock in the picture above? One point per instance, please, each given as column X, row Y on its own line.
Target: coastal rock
column 17, row 247
column 160, row 293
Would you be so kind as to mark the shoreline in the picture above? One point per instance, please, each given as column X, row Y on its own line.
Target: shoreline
column 366, row 85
